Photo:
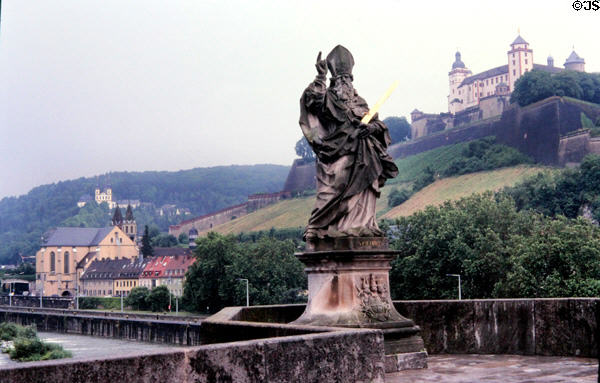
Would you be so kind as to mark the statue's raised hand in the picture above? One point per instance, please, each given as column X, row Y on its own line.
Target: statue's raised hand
column 321, row 66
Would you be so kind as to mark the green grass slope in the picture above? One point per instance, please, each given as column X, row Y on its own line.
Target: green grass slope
column 454, row 188
column 295, row 212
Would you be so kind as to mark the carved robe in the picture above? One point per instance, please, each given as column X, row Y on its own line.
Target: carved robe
column 350, row 170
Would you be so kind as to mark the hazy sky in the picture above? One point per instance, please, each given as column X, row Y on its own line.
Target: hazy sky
column 89, row 87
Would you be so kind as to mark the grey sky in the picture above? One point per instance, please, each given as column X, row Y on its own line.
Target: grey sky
column 95, row 86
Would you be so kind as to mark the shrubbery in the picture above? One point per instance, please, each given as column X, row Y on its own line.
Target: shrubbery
column 485, row 154
column 498, row 250
column 26, row 346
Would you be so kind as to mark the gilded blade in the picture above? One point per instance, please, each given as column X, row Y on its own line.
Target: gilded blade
column 367, row 118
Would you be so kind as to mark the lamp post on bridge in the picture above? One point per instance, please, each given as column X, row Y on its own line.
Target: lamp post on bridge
column 459, row 290
column 247, row 294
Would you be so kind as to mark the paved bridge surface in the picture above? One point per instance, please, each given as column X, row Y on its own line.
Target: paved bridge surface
column 501, row 369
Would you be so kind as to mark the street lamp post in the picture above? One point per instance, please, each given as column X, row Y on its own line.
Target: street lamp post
column 459, row 290
column 247, row 294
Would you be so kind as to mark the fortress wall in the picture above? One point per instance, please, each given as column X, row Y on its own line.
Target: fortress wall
column 258, row 201
column 572, row 148
column 210, row 220
column 302, row 176
column 535, row 130
column 594, row 145
column 492, row 106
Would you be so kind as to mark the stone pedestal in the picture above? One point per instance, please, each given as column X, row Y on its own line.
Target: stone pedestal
column 348, row 286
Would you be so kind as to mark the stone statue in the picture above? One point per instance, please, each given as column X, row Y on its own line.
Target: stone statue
column 352, row 162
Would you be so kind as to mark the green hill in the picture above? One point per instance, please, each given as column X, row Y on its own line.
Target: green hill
column 202, row 190
column 295, row 212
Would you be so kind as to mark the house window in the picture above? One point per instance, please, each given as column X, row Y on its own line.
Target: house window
column 514, row 72
column 52, row 262
column 525, row 61
column 67, row 262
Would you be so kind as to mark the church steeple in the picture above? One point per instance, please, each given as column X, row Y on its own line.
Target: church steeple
column 129, row 214
column 117, row 218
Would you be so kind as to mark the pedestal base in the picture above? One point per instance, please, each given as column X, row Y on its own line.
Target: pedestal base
column 406, row 361
column 348, row 285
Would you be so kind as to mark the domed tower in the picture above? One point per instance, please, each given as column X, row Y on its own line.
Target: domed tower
column 574, row 62
column 129, row 225
column 520, row 60
column 456, row 76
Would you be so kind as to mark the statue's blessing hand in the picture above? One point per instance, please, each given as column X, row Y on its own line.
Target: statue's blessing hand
column 321, row 66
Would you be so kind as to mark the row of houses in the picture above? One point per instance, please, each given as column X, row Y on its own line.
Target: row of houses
column 104, row 261
column 116, row 277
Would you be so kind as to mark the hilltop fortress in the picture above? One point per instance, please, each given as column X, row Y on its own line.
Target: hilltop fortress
column 473, row 97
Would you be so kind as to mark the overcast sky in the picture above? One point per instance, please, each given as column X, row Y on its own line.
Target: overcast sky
column 89, row 87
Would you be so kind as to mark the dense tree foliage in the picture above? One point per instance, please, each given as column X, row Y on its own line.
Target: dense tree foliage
column 147, row 250
column 537, row 85
column 399, row 128
column 398, row 197
column 498, row 250
column 138, row 298
column 24, row 219
column 567, row 193
column 213, row 282
column 485, row 154
column 304, row 150
column 165, row 240
column 159, row 298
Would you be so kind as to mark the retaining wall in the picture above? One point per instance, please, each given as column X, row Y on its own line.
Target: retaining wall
column 32, row 301
column 560, row 327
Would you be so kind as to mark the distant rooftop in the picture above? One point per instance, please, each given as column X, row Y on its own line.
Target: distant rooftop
column 77, row 236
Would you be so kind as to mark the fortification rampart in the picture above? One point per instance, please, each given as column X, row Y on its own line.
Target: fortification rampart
column 535, row 130
column 302, row 176
column 208, row 221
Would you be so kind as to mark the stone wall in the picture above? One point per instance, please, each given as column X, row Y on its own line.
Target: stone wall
column 561, row 327
column 302, row 176
column 208, row 221
column 32, row 301
column 258, row 201
column 573, row 147
column 344, row 356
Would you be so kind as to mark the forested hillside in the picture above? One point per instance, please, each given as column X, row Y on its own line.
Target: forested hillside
column 202, row 190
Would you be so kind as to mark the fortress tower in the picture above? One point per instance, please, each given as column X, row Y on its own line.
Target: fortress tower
column 520, row 60
column 456, row 76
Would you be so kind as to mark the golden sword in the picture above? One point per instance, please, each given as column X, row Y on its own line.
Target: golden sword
column 367, row 118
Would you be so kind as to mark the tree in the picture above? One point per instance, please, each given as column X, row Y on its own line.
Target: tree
column 147, row 250
column 304, row 150
column 158, row 299
column 209, row 283
column 537, row 85
column 398, row 197
column 273, row 272
column 165, row 240
column 399, row 128
column 183, row 239
column 138, row 298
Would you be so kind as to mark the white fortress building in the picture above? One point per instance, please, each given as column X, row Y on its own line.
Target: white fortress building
column 467, row 90
column 473, row 97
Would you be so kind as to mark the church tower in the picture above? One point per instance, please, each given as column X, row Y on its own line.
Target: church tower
column 117, row 219
column 456, row 76
column 129, row 225
column 520, row 60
